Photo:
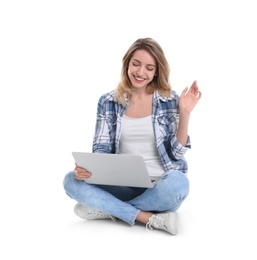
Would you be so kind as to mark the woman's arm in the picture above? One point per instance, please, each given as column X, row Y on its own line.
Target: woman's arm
column 187, row 101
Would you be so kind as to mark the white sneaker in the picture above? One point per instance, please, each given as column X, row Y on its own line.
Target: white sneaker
column 90, row 214
column 163, row 221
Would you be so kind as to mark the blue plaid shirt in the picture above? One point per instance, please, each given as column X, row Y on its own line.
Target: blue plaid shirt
column 165, row 124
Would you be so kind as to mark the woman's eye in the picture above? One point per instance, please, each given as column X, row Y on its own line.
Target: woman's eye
column 135, row 64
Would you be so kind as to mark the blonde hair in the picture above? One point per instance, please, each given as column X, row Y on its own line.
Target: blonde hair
column 160, row 82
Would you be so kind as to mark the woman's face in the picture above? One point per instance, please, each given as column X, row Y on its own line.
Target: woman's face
column 142, row 68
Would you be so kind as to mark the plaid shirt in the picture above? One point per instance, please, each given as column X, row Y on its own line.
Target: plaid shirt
column 165, row 124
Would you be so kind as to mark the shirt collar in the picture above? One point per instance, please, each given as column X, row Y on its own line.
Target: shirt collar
column 157, row 96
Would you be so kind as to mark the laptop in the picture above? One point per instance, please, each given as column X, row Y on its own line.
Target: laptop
column 115, row 169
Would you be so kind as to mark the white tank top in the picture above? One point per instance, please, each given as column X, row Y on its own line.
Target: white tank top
column 137, row 137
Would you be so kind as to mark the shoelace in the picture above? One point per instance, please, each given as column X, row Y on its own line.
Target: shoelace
column 155, row 221
column 150, row 223
column 101, row 214
column 148, row 226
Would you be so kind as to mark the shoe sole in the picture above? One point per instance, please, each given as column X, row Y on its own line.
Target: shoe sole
column 172, row 220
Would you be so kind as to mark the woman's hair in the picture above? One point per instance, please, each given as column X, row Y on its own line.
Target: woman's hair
column 160, row 82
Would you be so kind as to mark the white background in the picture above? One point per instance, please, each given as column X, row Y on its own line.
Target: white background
column 58, row 57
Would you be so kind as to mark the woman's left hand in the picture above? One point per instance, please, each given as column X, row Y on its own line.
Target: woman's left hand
column 189, row 98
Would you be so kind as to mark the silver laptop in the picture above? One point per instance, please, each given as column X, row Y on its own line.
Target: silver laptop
column 115, row 169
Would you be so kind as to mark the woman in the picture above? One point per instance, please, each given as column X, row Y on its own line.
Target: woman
column 142, row 116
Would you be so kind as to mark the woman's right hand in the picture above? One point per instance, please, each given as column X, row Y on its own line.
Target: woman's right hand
column 80, row 173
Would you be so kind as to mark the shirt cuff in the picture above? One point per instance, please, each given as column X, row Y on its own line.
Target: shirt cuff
column 178, row 149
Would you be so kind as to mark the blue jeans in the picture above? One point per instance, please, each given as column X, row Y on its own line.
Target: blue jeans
column 125, row 202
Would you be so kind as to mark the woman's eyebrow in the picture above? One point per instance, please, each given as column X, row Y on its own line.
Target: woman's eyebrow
column 141, row 62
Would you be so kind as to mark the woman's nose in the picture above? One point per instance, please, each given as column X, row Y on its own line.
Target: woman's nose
column 141, row 71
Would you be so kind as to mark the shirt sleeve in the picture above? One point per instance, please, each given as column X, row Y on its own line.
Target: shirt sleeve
column 178, row 150
column 103, row 141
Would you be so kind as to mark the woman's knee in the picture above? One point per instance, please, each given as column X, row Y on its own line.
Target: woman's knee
column 68, row 180
column 179, row 182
